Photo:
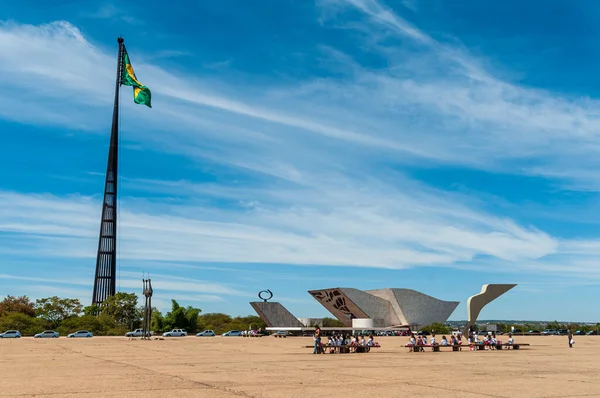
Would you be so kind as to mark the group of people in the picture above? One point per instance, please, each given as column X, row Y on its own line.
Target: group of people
column 489, row 341
column 423, row 340
column 350, row 343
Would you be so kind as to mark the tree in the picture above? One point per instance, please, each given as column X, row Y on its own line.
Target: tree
column 332, row 323
column 122, row 307
column 158, row 321
column 55, row 309
column 438, row 328
column 180, row 317
column 22, row 305
column 253, row 322
column 26, row 324
column 93, row 309
column 553, row 325
column 218, row 322
column 221, row 323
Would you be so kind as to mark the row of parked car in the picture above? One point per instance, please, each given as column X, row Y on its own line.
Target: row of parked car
column 564, row 332
column 183, row 333
column 15, row 334
column 205, row 333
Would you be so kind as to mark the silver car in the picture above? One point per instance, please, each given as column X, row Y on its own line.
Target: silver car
column 47, row 334
column 232, row 333
column 10, row 334
column 206, row 333
column 80, row 333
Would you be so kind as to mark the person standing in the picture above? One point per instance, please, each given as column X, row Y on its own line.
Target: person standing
column 570, row 335
column 317, row 338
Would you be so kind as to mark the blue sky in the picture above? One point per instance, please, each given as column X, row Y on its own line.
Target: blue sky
column 297, row 145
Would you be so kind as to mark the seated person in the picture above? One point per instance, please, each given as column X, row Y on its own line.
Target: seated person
column 510, row 339
column 432, row 340
column 412, row 340
column 444, row 340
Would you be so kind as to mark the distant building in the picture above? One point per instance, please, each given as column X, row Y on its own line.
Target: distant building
column 386, row 307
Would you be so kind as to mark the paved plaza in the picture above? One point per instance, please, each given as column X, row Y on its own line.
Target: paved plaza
column 275, row 367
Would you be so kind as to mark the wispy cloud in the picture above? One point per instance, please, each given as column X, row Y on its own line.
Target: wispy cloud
column 112, row 12
column 424, row 230
column 322, row 155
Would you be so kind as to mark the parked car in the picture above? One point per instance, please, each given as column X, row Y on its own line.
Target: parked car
column 423, row 333
column 282, row 333
column 533, row 331
column 232, row 333
column 579, row 333
column 592, row 333
column 562, row 332
column 206, row 333
column 47, row 334
column 11, row 334
column 80, row 333
column 137, row 333
column 175, row 333
column 548, row 332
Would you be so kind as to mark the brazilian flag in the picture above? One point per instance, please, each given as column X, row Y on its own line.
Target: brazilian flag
column 141, row 93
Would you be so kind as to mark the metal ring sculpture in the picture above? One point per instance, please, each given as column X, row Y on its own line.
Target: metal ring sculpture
column 267, row 298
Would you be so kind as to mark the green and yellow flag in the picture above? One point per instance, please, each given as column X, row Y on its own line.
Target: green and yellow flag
column 141, row 93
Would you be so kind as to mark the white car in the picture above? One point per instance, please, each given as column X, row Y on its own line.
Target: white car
column 206, row 333
column 47, row 334
column 80, row 333
column 175, row 333
column 10, row 334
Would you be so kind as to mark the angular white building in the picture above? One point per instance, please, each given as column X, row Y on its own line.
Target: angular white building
column 386, row 307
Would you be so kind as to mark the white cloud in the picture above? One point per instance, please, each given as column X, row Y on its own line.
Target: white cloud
column 375, row 229
column 468, row 115
column 325, row 149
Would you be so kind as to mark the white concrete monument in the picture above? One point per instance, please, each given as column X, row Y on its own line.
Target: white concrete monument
column 476, row 303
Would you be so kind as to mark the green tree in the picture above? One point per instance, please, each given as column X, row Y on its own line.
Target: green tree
column 101, row 325
column 553, row 325
column 122, row 307
column 26, row 324
column 182, row 317
column 158, row 321
column 438, row 328
column 55, row 309
column 22, row 305
column 218, row 322
column 92, row 309
column 332, row 323
column 252, row 322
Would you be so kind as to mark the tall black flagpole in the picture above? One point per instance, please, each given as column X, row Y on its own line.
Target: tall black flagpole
column 106, row 258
